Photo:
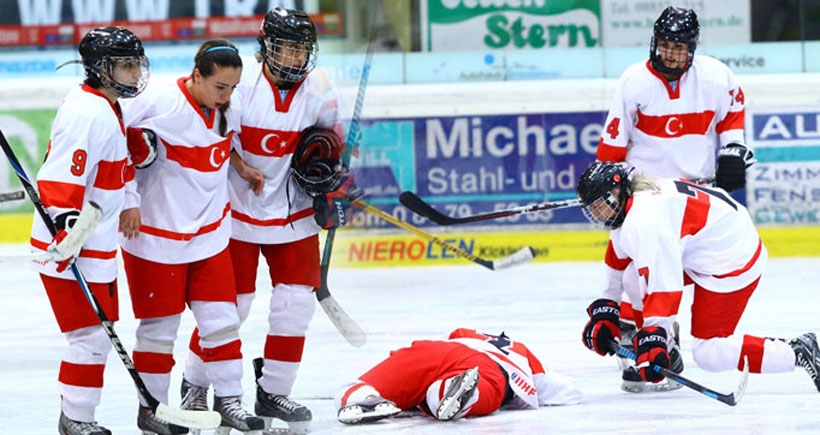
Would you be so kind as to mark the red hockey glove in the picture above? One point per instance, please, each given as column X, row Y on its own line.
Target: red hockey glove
column 142, row 146
column 330, row 210
column 64, row 222
column 732, row 161
column 650, row 346
column 602, row 327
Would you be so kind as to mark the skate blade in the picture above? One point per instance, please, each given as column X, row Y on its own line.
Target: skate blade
column 452, row 405
column 226, row 430
column 355, row 414
column 294, row 427
column 648, row 387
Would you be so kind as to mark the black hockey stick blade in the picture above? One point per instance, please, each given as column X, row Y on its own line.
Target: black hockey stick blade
column 421, row 208
column 730, row 399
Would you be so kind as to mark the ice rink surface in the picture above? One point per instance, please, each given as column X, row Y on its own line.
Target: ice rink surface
column 542, row 305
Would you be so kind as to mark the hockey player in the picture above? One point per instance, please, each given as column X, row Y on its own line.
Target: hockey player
column 677, row 232
column 670, row 117
column 281, row 98
column 469, row 374
column 180, row 254
column 87, row 160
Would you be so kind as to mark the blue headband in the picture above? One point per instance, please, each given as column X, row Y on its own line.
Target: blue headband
column 221, row 47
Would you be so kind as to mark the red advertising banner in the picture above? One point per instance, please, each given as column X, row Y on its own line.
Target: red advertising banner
column 172, row 29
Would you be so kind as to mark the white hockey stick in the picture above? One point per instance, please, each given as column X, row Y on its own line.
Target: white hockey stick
column 71, row 244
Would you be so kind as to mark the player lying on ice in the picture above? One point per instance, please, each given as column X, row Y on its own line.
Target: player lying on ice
column 676, row 232
column 469, row 374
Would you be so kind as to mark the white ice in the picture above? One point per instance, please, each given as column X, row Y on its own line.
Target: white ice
column 542, row 305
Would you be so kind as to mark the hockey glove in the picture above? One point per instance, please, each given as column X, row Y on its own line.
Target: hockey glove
column 602, row 327
column 64, row 222
column 651, row 347
column 142, row 146
column 330, row 210
column 732, row 161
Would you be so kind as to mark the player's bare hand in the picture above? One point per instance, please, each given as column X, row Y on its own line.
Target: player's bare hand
column 248, row 173
column 130, row 223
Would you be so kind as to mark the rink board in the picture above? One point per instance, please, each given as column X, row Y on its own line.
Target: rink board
column 358, row 248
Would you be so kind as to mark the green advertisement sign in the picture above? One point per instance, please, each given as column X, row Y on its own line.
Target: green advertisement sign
column 27, row 131
column 466, row 25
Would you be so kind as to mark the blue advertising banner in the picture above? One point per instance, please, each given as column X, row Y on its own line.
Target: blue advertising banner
column 783, row 188
column 466, row 165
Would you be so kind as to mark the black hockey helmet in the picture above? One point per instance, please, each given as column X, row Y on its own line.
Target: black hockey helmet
column 295, row 31
column 102, row 48
column 316, row 165
column 600, row 201
column 676, row 25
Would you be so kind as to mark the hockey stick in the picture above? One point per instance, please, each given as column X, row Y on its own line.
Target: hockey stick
column 523, row 255
column 75, row 239
column 730, row 399
column 421, row 208
column 12, row 196
column 191, row 419
column 346, row 326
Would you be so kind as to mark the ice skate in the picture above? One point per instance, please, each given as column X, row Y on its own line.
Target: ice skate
column 807, row 355
column 270, row 406
column 151, row 425
column 458, row 393
column 194, row 398
column 235, row 417
column 372, row 408
column 632, row 382
column 67, row 426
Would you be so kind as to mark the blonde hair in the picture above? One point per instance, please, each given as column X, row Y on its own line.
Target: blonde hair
column 641, row 182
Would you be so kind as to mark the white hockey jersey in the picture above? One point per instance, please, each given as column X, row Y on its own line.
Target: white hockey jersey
column 683, row 228
column 86, row 161
column 183, row 195
column 531, row 384
column 271, row 122
column 667, row 131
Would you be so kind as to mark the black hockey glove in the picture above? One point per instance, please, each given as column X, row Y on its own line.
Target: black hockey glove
column 602, row 327
column 651, row 347
column 732, row 161
column 330, row 210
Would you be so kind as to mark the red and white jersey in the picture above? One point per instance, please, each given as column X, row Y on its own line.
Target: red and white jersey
column 531, row 384
column 684, row 228
column 183, row 195
column 271, row 122
column 87, row 160
column 667, row 131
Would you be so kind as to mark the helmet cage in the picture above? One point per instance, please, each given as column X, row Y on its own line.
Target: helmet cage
column 104, row 70
column 606, row 212
column 603, row 190
column 675, row 25
column 291, row 61
column 319, row 177
column 316, row 165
